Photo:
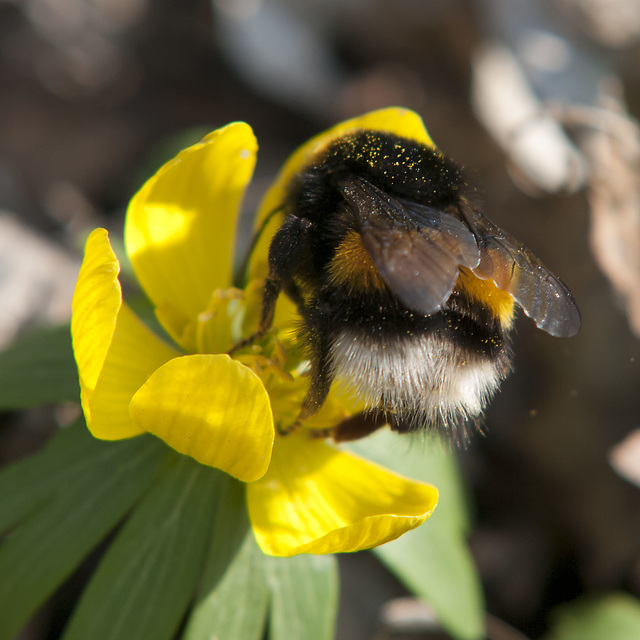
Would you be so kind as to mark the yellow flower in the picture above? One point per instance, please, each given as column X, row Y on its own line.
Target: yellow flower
column 303, row 496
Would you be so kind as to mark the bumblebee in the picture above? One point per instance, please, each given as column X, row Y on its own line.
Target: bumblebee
column 407, row 294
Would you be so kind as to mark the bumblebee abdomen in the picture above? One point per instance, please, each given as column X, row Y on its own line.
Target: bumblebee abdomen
column 433, row 371
column 499, row 304
column 419, row 381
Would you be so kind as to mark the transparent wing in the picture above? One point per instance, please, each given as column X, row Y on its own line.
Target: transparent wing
column 514, row 269
column 416, row 248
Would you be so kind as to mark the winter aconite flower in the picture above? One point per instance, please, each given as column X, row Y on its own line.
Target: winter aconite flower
column 303, row 495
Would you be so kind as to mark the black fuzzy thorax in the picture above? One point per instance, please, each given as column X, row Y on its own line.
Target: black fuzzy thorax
column 400, row 167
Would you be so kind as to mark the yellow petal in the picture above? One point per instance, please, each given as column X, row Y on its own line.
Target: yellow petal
column 218, row 327
column 214, row 330
column 316, row 499
column 180, row 227
column 400, row 121
column 115, row 352
column 134, row 354
column 96, row 302
column 211, row 408
column 180, row 327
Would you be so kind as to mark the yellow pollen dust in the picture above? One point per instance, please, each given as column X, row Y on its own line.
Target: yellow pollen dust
column 353, row 267
column 487, row 294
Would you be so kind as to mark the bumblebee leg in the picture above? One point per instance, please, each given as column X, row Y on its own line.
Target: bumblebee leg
column 284, row 252
column 292, row 428
column 357, row 426
column 294, row 294
column 318, row 337
column 272, row 288
column 287, row 245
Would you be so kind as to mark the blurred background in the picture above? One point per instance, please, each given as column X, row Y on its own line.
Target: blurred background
column 535, row 99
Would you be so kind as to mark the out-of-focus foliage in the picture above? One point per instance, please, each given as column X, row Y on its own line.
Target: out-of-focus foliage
column 614, row 617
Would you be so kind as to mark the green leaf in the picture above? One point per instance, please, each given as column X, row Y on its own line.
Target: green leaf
column 240, row 582
column 236, row 609
column 39, row 368
column 434, row 560
column 304, row 597
column 82, row 503
column 614, row 617
column 146, row 580
column 30, row 482
column 233, row 595
column 437, row 565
